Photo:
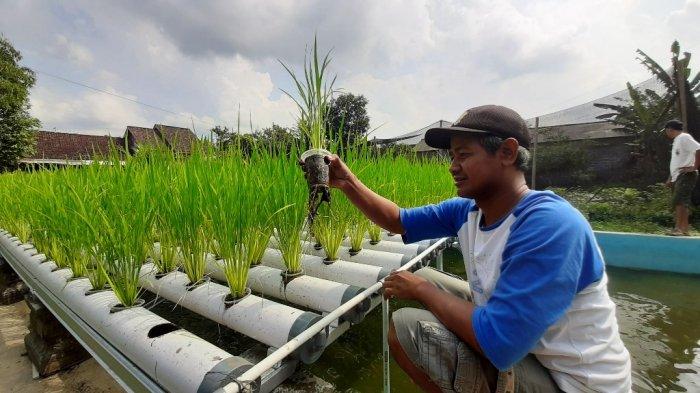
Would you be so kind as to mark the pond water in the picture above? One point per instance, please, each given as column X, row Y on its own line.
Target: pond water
column 659, row 316
column 658, row 313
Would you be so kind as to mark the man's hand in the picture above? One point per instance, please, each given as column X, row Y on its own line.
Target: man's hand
column 687, row 169
column 339, row 173
column 403, row 285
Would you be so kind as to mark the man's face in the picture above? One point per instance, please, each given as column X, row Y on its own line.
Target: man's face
column 669, row 133
column 473, row 169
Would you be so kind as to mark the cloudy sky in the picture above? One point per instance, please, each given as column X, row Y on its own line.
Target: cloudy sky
column 416, row 61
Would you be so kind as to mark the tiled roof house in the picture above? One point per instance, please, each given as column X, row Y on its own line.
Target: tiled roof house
column 61, row 147
column 74, row 149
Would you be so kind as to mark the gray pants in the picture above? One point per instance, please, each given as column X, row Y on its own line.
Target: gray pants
column 449, row 362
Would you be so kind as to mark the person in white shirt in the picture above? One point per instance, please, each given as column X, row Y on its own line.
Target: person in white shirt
column 685, row 161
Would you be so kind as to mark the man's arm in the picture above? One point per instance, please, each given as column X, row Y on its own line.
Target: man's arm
column 378, row 209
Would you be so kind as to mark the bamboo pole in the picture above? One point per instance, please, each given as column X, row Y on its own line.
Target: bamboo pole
column 534, row 154
column 679, row 79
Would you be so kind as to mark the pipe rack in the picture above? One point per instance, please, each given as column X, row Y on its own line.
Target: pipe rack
column 270, row 371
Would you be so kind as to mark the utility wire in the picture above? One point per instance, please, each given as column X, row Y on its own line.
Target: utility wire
column 117, row 95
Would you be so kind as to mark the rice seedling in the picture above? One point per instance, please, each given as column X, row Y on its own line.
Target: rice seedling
column 288, row 198
column 229, row 208
column 124, row 224
column 315, row 94
column 186, row 216
column 330, row 230
column 375, row 233
column 167, row 257
column 358, row 228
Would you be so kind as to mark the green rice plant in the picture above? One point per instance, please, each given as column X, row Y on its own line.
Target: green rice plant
column 288, row 199
column 315, row 94
column 229, row 208
column 330, row 228
column 123, row 230
column 358, row 227
column 14, row 206
column 84, row 194
column 185, row 215
column 375, row 233
column 162, row 167
column 259, row 189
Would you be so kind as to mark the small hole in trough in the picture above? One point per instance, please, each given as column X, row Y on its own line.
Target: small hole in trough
column 163, row 328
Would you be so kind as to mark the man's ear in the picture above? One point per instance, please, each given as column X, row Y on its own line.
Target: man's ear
column 508, row 152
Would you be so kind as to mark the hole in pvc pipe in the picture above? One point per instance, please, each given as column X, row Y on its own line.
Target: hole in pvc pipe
column 162, row 329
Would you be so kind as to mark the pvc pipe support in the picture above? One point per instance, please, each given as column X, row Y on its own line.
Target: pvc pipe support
column 306, row 291
column 264, row 320
column 389, row 260
column 176, row 359
column 351, row 273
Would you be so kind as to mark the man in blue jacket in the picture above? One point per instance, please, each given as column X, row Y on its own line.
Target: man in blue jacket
column 535, row 314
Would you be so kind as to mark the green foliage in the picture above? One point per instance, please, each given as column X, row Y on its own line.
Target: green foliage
column 348, row 112
column 622, row 209
column 276, row 139
column 17, row 127
column 643, row 117
column 562, row 156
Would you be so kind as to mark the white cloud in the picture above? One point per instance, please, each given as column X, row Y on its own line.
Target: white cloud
column 89, row 112
column 416, row 61
column 72, row 51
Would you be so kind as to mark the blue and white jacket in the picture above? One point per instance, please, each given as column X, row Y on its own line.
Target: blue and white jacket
column 539, row 284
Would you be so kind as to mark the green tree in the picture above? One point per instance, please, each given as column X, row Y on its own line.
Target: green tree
column 17, row 127
column 223, row 136
column 348, row 114
column 680, row 71
column 276, row 137
column 644, row 114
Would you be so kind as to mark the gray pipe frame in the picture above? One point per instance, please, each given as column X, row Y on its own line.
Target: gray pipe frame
column 252, row 316
column 300, row 290
column 271, row 360
column 340, row 271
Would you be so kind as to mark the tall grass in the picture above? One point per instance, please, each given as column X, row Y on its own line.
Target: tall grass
column 314, row 96
column 288, row 198
column 102, row 220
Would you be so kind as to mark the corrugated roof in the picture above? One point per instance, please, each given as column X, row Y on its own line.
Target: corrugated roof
column 413, row 137
column 587, row 112
column 583, row 131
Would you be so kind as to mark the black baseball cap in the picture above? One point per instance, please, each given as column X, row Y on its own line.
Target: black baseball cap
column 674, row 125
column 487, row 119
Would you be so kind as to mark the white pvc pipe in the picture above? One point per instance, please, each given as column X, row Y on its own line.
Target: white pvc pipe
column 393, row 238
column 350, row 273
column 306, row 291
column 395, row 247
column 264, row 320
column 136, row 331
column 281, row 353
column 384, row 259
